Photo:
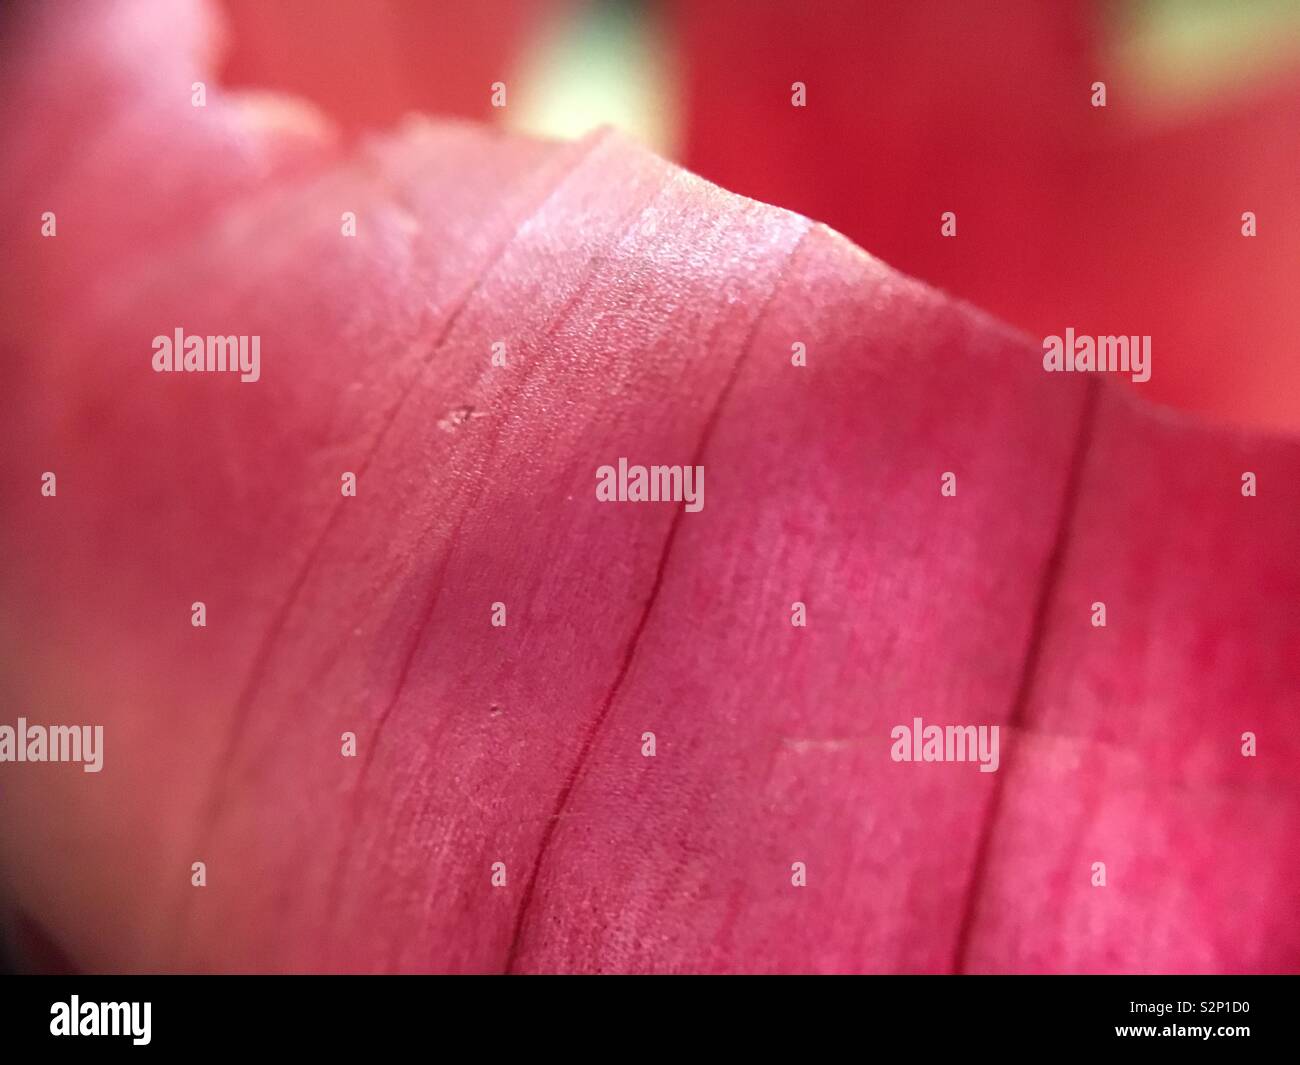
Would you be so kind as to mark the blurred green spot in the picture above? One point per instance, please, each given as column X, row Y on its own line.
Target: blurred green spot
column 604, row 63
column 1185, row 50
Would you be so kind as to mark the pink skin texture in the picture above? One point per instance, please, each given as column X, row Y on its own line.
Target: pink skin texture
column 500, row 813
